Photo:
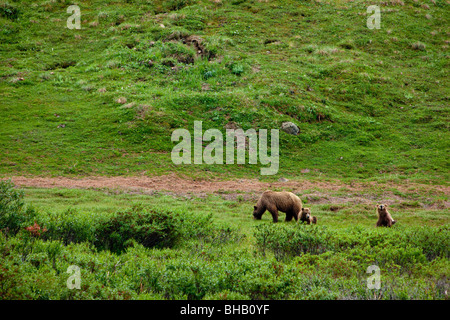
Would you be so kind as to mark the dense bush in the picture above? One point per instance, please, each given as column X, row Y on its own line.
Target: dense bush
column 70, row 226
column 217, row 272
column 149, row 228
column 434, row 242
column 285, row 241
column 401, row 247
column 8, row 11
column 13, row 212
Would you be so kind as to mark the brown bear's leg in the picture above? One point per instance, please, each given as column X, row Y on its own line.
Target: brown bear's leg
column 289, row 216
column 274, row 212
column 378, row 223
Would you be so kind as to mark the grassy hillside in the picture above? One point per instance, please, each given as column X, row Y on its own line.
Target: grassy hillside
column 104, row 100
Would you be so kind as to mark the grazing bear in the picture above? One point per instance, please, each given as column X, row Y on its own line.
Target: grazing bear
column 305, row 216
column 273, row 201
column 384, row 217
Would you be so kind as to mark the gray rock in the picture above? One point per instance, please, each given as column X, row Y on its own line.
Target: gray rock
column 290, row 128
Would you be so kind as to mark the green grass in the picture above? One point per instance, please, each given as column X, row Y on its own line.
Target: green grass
column 367, row 102
column 236, row 211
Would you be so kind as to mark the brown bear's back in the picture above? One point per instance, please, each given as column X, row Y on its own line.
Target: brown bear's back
column 284, row 200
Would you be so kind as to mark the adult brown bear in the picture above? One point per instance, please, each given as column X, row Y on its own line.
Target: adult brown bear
column 384, row 217
column 283, row 201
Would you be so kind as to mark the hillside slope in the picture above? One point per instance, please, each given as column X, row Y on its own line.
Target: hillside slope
column 104, row 99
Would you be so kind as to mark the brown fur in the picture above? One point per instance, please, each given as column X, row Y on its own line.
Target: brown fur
column 384, row 217
column 273, row 201
column 305, row 216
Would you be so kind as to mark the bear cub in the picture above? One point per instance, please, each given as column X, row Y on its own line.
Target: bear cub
column 305, row 216
column 384, row 217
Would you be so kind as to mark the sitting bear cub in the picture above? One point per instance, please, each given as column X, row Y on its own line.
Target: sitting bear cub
column 384, row 217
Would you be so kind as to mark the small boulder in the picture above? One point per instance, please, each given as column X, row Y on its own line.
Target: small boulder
column 290, row 128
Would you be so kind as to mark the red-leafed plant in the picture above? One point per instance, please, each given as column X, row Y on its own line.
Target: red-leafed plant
column 36, row 230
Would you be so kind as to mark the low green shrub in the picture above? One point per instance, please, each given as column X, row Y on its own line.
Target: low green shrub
column 9, row 12
column 285, row 241
column 147, row 227
column 14, row 214
column 69, row 227
column 404, row 247
column 434, row 242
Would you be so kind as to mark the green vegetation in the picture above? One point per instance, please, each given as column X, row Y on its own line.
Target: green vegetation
column 169, row 247
column 104, row 99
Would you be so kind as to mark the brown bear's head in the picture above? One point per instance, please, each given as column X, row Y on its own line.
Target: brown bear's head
column 381, row 208
column 256, row 215
column 306, row 212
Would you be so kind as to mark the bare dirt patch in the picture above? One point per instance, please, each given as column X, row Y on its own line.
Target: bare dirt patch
column 318, row 192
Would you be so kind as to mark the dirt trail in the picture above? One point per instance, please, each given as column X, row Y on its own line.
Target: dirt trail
column 248, row 189
column 169, row 183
